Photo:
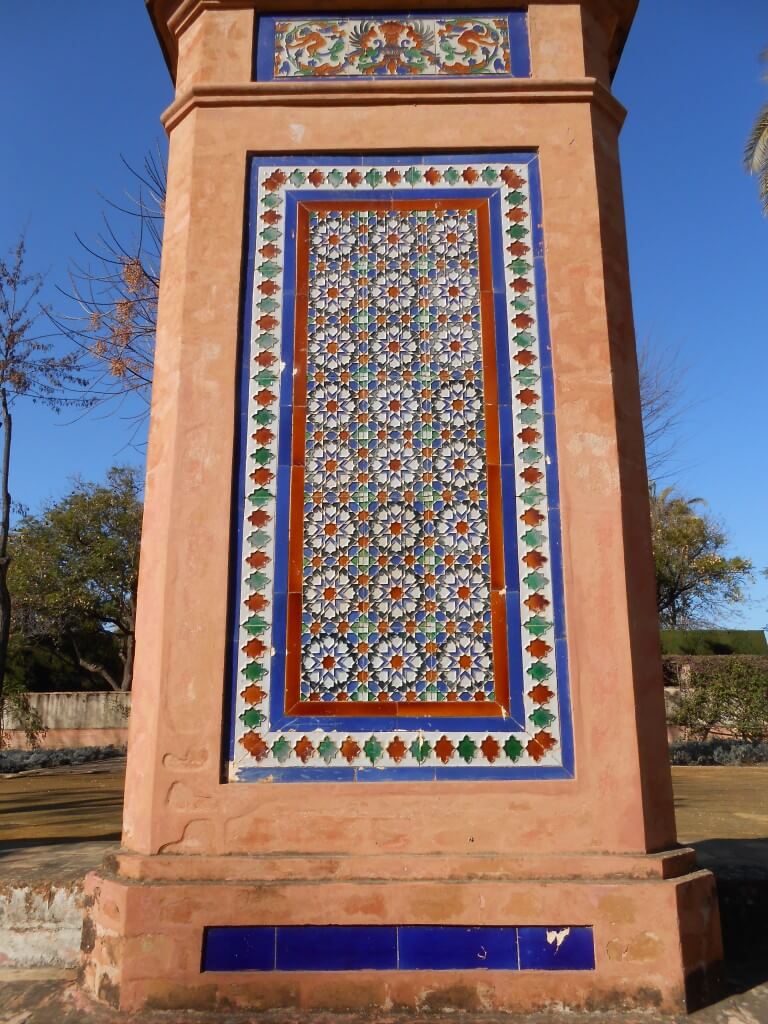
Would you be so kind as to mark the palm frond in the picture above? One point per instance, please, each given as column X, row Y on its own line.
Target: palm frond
column 763, row 188
column 756, row 150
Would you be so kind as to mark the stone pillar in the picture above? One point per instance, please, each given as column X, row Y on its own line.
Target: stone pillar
column 398, row 727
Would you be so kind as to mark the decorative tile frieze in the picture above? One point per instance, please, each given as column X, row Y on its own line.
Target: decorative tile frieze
column 399, row 589
column 456, row 45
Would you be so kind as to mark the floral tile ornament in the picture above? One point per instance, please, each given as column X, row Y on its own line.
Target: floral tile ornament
column 459, row 45
column 397, row 606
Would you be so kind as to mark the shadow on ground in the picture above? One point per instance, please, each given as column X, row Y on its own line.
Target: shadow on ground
column 61, row 806
column 741, row 869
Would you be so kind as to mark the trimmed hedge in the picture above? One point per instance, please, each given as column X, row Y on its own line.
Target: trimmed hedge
column 717, row 752
column 677, row 668
column 720, row 642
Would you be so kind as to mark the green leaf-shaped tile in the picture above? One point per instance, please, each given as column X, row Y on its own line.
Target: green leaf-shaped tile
column 373, row 749
column 254, row 671
column 255, row 626
column 421, row 750
column 281, row 748
column 541, row 718
column 252, row 718
column 467, row 749
column 540, row 671
column 264, row 417
column 513, row 748
column 537, row 625
column 327, row 749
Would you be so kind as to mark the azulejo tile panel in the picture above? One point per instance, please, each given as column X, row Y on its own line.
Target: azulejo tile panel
column 397, row 605
column 457, row 45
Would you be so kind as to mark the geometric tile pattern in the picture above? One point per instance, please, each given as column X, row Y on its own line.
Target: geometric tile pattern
column 397, row 947
column 399, row 592
column 396, row 568
column 461, row 45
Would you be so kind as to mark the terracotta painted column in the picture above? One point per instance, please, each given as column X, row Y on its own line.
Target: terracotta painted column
column 398, row 731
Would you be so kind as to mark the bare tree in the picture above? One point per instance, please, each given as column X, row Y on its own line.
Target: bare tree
column 29, row 369
column 664, row 403
column 114, row 290
column 116, row 320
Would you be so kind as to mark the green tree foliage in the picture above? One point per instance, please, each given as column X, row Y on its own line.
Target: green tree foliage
column 30, row 370
column 17, row 712
column 756, row 151
column 695, row 579
column 733, row 696
column 74, row 575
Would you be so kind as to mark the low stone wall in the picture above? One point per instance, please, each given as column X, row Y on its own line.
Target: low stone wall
column 40, row 924
column 77, row 720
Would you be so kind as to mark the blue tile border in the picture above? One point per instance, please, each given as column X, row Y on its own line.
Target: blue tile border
column 437, row 772
column 398, row 947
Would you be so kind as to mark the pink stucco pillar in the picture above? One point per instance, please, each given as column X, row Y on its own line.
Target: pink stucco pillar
column 582, row 842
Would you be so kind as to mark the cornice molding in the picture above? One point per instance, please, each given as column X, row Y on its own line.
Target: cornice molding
column 311, row 94
column 171, row 17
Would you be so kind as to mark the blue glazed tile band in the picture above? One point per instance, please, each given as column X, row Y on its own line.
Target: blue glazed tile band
column 397, row 947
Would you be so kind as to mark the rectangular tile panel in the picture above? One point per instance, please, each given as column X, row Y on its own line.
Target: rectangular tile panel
column 397, row 609
column 457, row 45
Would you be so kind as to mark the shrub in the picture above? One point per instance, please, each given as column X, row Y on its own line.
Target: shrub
column 717, row 752
column 12, row 761
column 732, row 695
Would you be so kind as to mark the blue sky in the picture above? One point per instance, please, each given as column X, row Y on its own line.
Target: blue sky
column 87, row 83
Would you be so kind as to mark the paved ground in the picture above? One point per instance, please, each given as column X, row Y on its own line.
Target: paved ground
column 56, row 825
column 59, row 824
column 48, row 999
column 721, row 803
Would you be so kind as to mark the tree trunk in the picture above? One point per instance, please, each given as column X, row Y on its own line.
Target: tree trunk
column 130, row 648
column 130, row 639
column 98, row 670
column 5, row 525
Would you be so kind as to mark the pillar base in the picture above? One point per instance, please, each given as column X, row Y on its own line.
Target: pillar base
column 654, row 922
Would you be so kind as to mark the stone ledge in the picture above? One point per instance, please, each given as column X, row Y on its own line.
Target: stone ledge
column 384, row 93
column 426, row 867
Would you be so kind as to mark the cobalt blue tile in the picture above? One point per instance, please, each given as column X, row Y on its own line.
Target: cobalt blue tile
column 264, row 50
column 518, row 44
column 467, row 158
column 395, row 774
column 291, row 775
column 548, row 392
column 239, row 949
column 539, row 949
column 502, row 774
column 550, row 444
column 284, row 445
column 426, row 948
column 336, row 948
column 507, row 435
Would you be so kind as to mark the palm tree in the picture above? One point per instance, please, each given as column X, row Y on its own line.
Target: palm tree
column 756, row 152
